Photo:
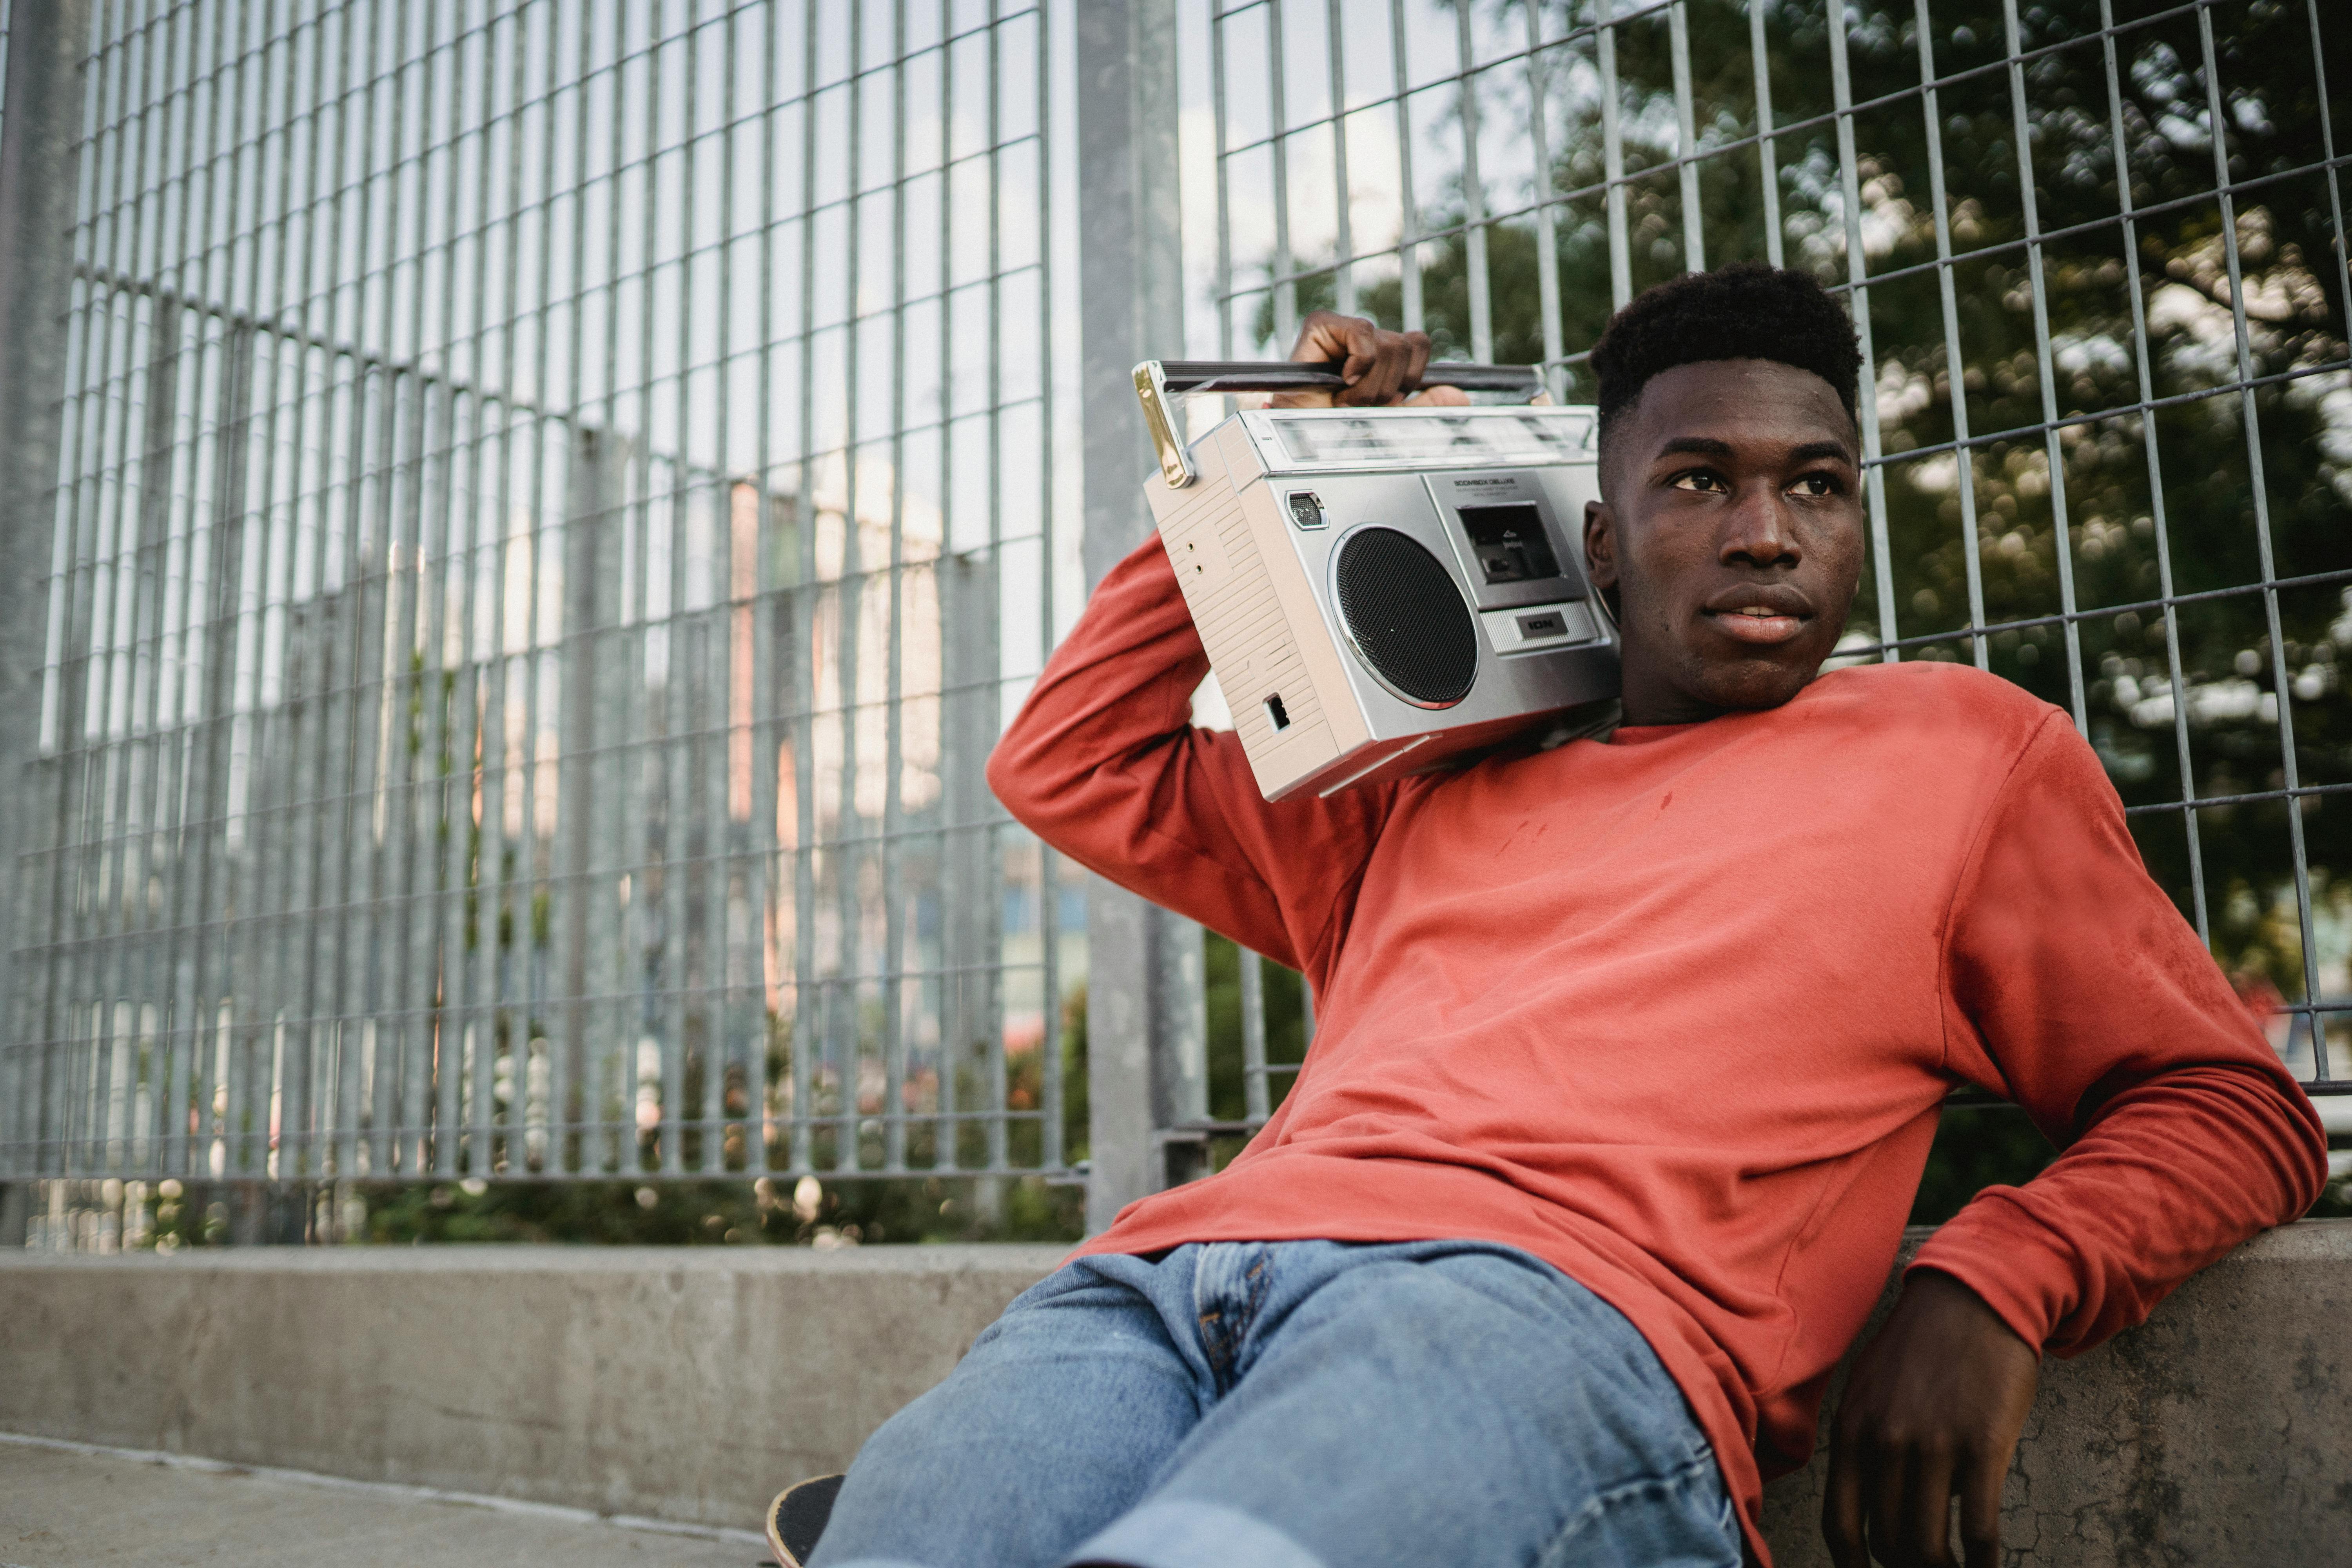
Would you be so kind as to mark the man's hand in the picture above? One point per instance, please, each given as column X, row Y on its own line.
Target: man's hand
column 1932, row 1412
column 1380, row 366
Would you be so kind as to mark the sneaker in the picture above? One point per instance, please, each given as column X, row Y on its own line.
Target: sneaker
column 797, row 1517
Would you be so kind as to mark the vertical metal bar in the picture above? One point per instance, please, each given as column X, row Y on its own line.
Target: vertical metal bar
column 497, row 861
column 2063, row 542
column 1686, row 139
column 2259, row 486
column 730, row 704
column 141, row 532
column 842, row 1034
column 1963, row 455
column 898, row 949
column 591, row 593
column 463, row 1038
column 987, row 669
column 1408, row 202
column 419, row 804
column 621, row 685
column 717, row 719
column 1768, row 169
column 1546, row 196
column 138, row 542
column 741, row 893
column 1253, row 1092
column 1127, row 181
column 1857, row 273
column 437, row 810
column 1474, row 198
column 1224, row 281
column 176, row 1040
column 2130, row 248
column 641, row 758
column 297, row 1144
column 1343, row 276
column 42, row 996
column 82, row 689
column 762, row 885
column 1286, row 290
column 684, row 833
column 280, row 892
column 2327, row 152
column 807, row 1009
column 141, row 749
column 232, row 539
column 408, row 765
column 362, row 1147
column 539, row 1080
column 955, row 896
column 1612, row 157
column 1052, row 1156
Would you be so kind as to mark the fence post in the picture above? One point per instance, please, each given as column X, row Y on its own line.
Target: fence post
column 40, row 118
column 1146, row 1022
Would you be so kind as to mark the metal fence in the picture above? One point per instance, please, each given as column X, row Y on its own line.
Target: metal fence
column 2134, row 494
column 550, row 503
column 551, row 498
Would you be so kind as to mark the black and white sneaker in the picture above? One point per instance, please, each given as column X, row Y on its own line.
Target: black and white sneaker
column 798, row 1516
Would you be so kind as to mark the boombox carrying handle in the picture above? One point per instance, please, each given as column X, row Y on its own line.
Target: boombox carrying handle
column 1158, row 381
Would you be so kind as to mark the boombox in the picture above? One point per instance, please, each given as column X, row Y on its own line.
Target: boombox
column 1381, row 590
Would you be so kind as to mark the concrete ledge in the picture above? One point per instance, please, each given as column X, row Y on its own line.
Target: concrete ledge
column 689, row 1384
column 682, row 1384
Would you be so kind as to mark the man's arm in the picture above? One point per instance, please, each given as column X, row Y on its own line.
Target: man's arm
column 1103, row 763
column 2076, row 989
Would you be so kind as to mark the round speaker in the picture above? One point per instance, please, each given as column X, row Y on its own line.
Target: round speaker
column 1406, row 617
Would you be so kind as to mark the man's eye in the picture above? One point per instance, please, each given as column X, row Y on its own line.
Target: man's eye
column 1817, row 485
column 1697, row 479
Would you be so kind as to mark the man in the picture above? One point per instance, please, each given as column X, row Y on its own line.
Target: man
column 1629, row 1056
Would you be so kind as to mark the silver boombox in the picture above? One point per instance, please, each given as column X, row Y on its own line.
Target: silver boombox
column 1381, row 589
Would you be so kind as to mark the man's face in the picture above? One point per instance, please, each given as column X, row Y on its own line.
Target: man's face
column 1730, row 525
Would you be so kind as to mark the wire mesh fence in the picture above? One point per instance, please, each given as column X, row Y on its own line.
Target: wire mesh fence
column 2095, row 254
column 558, row 499
column 552, row 495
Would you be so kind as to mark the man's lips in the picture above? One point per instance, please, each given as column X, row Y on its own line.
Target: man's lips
column 1763, row 616
column 1753, row 628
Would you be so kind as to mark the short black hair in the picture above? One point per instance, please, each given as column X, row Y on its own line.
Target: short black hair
column 1744, row 311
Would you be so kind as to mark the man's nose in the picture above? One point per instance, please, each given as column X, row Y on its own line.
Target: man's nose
column 1758, row 532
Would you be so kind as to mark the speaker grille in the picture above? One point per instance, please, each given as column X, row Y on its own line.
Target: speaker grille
column 1406, row 617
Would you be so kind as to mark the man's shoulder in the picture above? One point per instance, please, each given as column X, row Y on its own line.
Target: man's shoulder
column 1957, row 701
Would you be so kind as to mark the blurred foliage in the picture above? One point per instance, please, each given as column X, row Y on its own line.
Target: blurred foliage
column 1976, row 1147
column 673, row 1213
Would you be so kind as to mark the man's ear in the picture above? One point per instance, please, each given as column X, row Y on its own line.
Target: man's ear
column 1599, row 545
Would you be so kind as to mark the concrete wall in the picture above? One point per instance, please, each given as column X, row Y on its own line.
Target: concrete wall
column 691, row 1385
column 678, row 1383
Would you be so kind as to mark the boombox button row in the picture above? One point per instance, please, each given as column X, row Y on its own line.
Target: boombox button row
column 1540, row 627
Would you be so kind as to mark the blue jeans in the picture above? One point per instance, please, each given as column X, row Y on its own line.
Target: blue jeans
column 1295, row 1404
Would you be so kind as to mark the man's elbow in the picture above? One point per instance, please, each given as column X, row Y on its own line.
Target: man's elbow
column 1019, row 777
column 1007, row 779
column 2296, row 1144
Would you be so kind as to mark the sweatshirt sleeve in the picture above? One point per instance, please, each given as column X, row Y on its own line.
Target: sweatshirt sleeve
column 2076, row 988
column 1103, row 763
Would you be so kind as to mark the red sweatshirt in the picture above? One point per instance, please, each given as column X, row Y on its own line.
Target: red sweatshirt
column 1676, row 1011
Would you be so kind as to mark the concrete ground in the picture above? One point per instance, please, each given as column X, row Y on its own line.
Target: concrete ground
column 66, row 1507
